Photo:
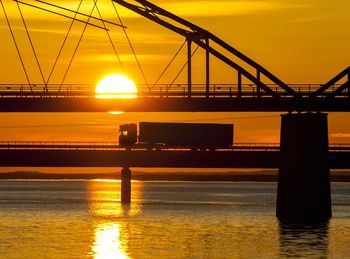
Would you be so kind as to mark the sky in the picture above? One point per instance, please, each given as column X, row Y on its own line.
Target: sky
column 300, row 41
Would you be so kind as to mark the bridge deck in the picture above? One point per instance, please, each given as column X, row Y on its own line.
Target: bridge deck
column 158, row 90
column 21, row 154
column 249, row 104
column 221, row 97
column 83, row 145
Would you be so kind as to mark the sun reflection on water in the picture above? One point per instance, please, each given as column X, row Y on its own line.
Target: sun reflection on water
column 107, row 242
column 110, row 238
column 104, row 200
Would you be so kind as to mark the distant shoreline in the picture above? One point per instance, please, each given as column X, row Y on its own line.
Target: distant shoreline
column 260, row 176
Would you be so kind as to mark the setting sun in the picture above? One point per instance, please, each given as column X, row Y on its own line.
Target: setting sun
column 116, row 86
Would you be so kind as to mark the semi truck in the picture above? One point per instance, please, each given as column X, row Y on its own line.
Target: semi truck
column 177, row 135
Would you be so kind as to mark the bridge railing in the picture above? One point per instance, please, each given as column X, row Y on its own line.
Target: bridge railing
column 61, row 145
column 343, row 147
column 58, row 145
column 156, row 91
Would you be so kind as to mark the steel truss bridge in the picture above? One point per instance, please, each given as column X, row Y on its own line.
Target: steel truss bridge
column 254, row 88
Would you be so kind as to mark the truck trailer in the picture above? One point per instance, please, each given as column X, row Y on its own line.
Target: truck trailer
column 177, row 135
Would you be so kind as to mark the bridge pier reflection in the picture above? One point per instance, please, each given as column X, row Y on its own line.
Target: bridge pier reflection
column 125, row 185
column 303, row 193
column 309, row 241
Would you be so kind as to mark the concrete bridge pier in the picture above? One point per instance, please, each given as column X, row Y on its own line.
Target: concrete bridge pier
column 126, row 185
column 304, row 193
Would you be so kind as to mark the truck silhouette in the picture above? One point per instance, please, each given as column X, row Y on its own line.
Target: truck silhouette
column 177, row 135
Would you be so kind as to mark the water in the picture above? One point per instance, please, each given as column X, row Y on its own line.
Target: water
column 84, row 219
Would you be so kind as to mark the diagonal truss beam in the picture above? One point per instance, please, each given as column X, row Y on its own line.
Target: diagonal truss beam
column 340, row 90
column 333, row 81
column 201, row 37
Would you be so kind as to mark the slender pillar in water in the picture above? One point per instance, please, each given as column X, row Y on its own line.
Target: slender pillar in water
column 303, row 193
column 126, row 185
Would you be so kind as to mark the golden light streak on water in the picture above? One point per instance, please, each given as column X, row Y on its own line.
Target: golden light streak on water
column 104, row 199
column 116, row 112
column 110, row 237
column 108, row 242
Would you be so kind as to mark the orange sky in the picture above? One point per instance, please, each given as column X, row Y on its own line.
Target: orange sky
column 301, row 41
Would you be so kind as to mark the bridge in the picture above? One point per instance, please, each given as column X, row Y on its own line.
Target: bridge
column 166, row 98
column 254, row 88
column 304, row 157
column 105, row 154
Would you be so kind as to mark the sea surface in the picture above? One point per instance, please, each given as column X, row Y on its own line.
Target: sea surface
column 84, row 219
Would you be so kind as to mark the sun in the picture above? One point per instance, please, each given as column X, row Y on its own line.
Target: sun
column 116, row 86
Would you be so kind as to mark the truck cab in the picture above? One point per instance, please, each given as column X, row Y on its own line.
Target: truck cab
column 127, row 134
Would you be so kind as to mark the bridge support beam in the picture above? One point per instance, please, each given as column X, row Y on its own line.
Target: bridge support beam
column 303, row 193
column 126, row 185
column 189, row 67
